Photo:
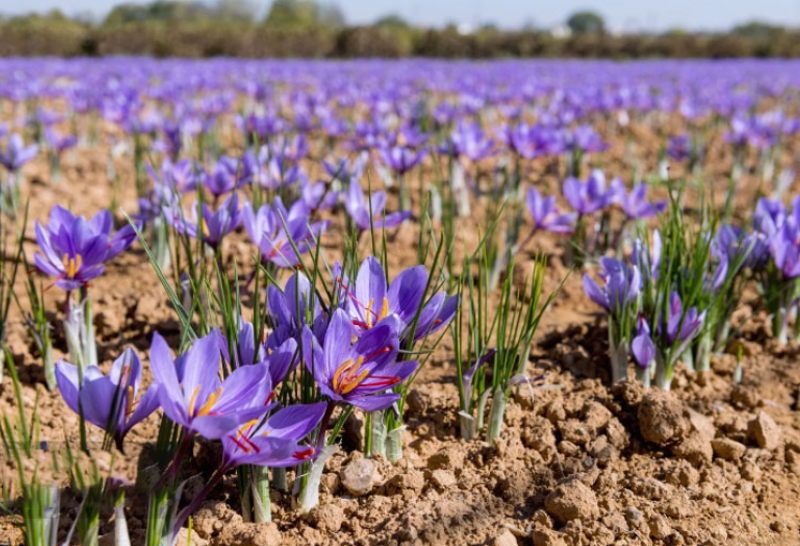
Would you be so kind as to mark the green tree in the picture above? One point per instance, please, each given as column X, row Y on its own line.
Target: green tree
column 586, row 22
column 303, row 14
column 757, row 29
column 392, row 20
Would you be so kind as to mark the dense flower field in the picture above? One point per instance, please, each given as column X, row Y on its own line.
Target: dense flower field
column 246, row 302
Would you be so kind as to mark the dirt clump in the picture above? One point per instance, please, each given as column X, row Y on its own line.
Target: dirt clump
column 572, row 500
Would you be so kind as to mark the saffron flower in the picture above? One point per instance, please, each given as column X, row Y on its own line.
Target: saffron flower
column 679, row 148
column 692, row 322
column 111, row 402
column 642, row 347
column 358, row 374
column 250, row 349
column 58, row 142
column 590, row 196
column 74, row 250
column 359, row 209
column 622, row 284
column 784, row 247
column 212, row 226
column 372, row 300
column 193, row 396
column 16, row 153
column 546, row 215
column 283, row 307
column 276, row 443
column 401, row 159
column 179, row 176
column 635, row 203
column 223, row 178
column 769, row 216
column 468, row 140
column 268, row 232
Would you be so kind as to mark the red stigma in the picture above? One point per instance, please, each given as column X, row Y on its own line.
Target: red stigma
column 386, row 349
column 305, row 454
column 242, row 446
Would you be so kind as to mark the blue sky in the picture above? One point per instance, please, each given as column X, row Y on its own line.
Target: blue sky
column 626, row 15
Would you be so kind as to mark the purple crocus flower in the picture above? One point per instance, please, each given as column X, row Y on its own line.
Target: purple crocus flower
column 647, row 257
column 193, row 396
column 635, row 203
column 297, row 295
column 16, row 153
column 275, row 236
column 585, row 139
column 622, row 284
column 692, row 323
column 769, row 216
column 679, row 148
column 275, row 443
column 357, row 374
column 371, row 300
column 546, row 215
column 590, row 196
column 214, row 225
column 180, row 176
column 468, row 140
column 401, row 159
column 784, row 248
column 359, row 208
column 74, row 250
column 252, row 350
column 110, row 402
column 318, row 196
column 223, row 178
column 343, row 169
column 293, row 151
column 58, row 142
column 642, row 346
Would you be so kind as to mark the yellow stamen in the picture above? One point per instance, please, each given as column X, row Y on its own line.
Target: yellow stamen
column 269, row 351
column 345, row 378
column 205, row 409
column 193, row 400
column 130, row 400
column 339, row 371
column 369, row 313
column 384, row 310
column 71, row 265
column 355, row 382
column 204, row 227
column 245, row 427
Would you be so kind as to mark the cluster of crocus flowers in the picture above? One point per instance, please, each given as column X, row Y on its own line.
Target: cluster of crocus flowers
column 775, row 259
column 586, row 198
column 630, row 322
column 618, row 297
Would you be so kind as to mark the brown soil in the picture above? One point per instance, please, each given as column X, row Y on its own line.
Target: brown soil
column 582, row 463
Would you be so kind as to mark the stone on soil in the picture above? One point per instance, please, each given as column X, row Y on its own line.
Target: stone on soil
column 359, row 477
column 764, row 431
column 661, row 418
column 572, row 500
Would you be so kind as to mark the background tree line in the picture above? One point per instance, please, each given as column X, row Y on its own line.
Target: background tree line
column 305, row 28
